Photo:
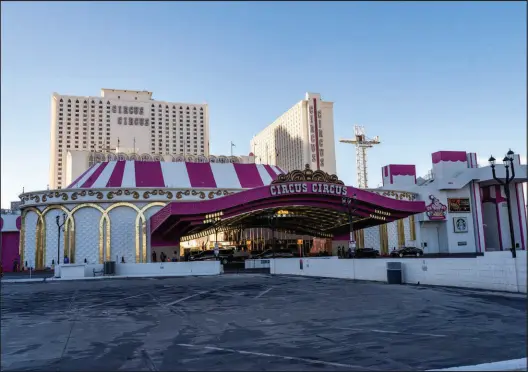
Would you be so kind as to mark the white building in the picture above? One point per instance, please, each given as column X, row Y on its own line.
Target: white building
column 302, row 135
column 466, row 208
column 124, row 121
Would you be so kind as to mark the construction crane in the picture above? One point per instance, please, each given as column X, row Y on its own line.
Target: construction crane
column 363, row 143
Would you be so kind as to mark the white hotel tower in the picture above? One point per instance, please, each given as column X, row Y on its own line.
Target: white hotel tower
column 302, row 135
column 125, row 121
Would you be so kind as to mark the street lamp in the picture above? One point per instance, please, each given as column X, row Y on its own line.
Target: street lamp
column 59, row 226
column 508, row 163
column 350, row 204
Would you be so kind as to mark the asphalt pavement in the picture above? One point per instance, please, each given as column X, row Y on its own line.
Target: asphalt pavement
column 254, row 322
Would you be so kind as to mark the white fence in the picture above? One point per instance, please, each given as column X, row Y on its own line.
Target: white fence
column 493, row 271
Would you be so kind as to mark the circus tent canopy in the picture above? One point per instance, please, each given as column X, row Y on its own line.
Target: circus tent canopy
column 176, row 175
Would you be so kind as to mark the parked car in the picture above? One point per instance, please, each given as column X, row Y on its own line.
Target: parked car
column 269, row 253
column 366, row 252
column 225, row 255
column 407, row 251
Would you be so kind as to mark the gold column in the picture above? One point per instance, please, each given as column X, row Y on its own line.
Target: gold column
column 144, row 239
column 384, row 239
column 360, row 238
column 412, row 228
column 71, row 244
column 401, row 233
column 66, row 239
column 22, row 240
column 39, row 254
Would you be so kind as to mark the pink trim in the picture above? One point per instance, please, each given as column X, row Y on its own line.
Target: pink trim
column 79, row 178
column 452, row 156
column 401, row 170
column 18, row 222
column 270, row 171
column 386, row 170
column 149, row 174
column 477, row 202
column 497, row 193
column 316, row 134
column 116, row 178
column 94, row 176
column 1, row 223
column 248, row 175
column 200, row 175
column 518, row 186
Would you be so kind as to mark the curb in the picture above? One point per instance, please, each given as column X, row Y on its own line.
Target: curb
column 89, row 278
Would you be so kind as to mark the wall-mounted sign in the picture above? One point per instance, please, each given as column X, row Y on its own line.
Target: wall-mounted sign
column 129, row 110
column 461, row 243
column 298, row 188
column 132, row 121
column 313, row 142
column 435, row 211
column 458, row 205
column 460, row 224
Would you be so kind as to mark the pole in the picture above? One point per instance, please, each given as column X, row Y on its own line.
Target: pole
column 510, row 219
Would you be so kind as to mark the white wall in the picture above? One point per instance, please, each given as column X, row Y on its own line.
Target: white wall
column 30, row 238
column 87, row 235
column 169, row 269
column 122, row 240
column 493, row 271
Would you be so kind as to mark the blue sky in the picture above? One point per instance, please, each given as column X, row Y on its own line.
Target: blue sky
column 423, row 76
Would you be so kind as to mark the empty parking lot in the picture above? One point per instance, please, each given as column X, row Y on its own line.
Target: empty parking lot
column 254, row 322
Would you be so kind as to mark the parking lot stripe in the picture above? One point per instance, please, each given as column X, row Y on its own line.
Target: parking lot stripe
column 391, row 332
column 264, row 292
column 186, row 298
column 305, row 360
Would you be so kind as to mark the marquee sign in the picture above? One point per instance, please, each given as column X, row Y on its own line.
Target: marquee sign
column 458, row 205
column 302, row 188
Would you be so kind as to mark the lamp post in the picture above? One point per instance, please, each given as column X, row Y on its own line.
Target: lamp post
column 214, row 219
column 350, row 204
column 508, row 163
column 59, row 226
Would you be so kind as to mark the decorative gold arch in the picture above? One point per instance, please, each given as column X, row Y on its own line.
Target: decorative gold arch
column 104, row 231
column 38, row 236
column 72, row 219
column 141, row 231
column 69, row 232
column 106, row 217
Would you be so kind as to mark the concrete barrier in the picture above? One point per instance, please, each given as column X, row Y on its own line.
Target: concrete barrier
column 494, row 271
column 169, row 268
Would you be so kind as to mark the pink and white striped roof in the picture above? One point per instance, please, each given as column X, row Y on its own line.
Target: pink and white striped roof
column 176, row 175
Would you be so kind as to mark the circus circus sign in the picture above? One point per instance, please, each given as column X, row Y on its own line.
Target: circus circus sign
column 436, row 211
column 301, row 188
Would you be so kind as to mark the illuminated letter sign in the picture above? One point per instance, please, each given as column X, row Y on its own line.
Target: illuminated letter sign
column 302, row 188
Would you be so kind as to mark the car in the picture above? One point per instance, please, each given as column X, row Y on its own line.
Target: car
column 225, row 255
column 269, row 253
column 366, row 252
column 407, row 251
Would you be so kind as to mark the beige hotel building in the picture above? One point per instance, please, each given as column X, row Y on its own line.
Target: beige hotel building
column 122, row 121
column 304, row 134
